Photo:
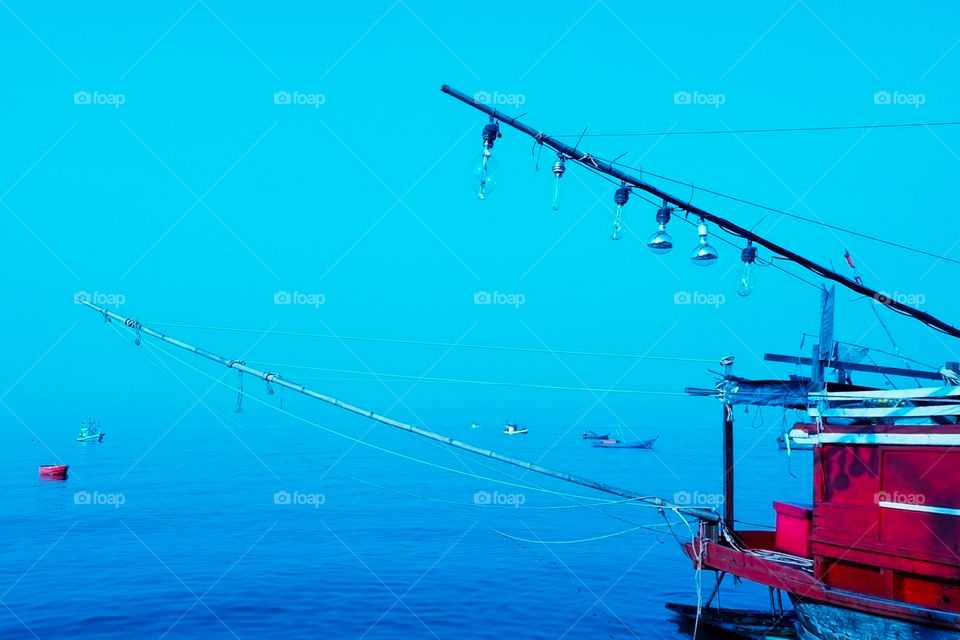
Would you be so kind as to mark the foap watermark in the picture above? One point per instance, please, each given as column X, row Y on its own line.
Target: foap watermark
column 109, row 499
column 99, row 298
column 910, row 299
column 508, row 299
column 709, row 299
column 697, row 499
column 911, row 99
column 712, row 99
column 299, row 297
column 310, row 99
column 299, row 499
column 112, row 99
column 499, row 499
column 495, row 98
column 898, row 497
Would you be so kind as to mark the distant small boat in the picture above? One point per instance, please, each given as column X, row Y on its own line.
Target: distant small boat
column 54, row 470
column 90, row 431
column 593, row 435
column 607, row 443
column 474, row 426
column 796, row 444
column 513, row 430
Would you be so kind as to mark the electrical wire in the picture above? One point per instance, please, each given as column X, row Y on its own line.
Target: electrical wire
column 431, row 343
column 739, row 131
column 650, row 392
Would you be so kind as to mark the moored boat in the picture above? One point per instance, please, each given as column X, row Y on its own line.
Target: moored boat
column 607, row 443
column 90, row 431
column 593, row 435
column 512, row 429
column 54, row 470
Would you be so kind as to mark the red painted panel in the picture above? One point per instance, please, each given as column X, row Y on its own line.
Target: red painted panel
column 793, row 528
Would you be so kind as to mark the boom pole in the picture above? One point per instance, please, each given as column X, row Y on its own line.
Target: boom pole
column 273, row 378
column 597, row 164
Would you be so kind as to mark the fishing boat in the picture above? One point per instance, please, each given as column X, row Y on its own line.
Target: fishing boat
column 593, row 435
column 54, row 470
column 876, row 553
column 90, row 431
column 607, row 443
column 512, row 429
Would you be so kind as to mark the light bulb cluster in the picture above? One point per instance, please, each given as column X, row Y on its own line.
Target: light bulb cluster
column 485, row 178
column 661, row 242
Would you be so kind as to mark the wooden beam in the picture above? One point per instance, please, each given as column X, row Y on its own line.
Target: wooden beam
column 856, row 366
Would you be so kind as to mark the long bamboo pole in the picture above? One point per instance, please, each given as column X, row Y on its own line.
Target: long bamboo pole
column 608, row 168
column 273, row 378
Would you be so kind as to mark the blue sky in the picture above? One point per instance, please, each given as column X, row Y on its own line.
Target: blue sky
column 186, row 189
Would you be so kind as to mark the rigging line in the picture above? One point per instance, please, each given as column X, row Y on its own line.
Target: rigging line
column 472, row 504
column 277, row 365
column 798, row 216
column 595, row 507
column 431, row 343
column 593, row 539
column 435, row 444
column 364, row 442
column 783, row 130
column 886, row 353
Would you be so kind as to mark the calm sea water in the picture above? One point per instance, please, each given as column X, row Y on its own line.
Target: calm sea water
column 240, row 527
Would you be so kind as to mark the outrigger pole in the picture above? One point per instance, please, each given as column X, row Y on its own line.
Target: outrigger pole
column 272, row 378
column 602, row 166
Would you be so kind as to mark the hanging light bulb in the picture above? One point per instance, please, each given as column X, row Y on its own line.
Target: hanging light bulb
column 703, row 254
column 558, row 169
column 485, row 172
column 617, row 224
column 661, row 242
column 747, row 281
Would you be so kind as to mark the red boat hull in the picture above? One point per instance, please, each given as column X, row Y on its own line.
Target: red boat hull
column 55, row 470
column 880, row 547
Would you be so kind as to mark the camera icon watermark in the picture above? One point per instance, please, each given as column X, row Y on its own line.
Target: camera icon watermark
column 910, row 99
column 697, row 499
column 99, row 298
column 299, row 298
column 496, row 498
column 711, row 99
column 884, row 498
column 112, row 99
column 310, row 99
column 497, row 298
column 497, row 98
column 698, row 298
column 114, row 500
column 297, row 498
column 915, row 300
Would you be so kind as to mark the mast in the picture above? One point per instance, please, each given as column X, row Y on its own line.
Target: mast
column 272, row 378
column 602, row 166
